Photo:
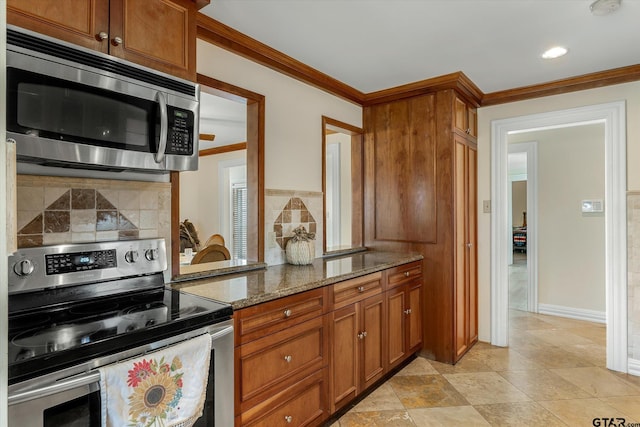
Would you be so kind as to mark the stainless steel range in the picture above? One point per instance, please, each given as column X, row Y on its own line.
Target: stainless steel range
column 74, row 308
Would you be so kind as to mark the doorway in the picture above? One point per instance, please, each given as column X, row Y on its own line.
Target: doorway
column 613, row 117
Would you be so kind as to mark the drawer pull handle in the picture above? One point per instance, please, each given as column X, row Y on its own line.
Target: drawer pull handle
column 287, row 358
column 360, row 289
column 287, row 313
column 288, row 418
column 406, row 274
column 407, row 311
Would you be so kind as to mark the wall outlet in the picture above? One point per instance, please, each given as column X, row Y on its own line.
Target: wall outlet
column 486, row 206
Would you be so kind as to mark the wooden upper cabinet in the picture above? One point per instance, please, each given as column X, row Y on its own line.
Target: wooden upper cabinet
column 159, row 34
column 465, row 118
column 404, row 172
column 81, row 22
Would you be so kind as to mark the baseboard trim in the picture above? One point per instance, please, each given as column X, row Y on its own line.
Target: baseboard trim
column 634, row 367
column 573, row 313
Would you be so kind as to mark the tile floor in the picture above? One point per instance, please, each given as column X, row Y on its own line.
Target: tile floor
column 518, row 281
column 553, row 374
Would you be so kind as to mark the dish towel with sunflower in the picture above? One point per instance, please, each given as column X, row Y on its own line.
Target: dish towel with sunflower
column 165, row 388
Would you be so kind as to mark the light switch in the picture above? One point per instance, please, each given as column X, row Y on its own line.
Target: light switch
column 486, row 206
column 589, row 206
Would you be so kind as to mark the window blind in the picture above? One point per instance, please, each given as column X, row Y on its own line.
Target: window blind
column 239, row 220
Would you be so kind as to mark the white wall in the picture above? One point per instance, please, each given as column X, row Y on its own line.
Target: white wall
column 628, row 91
column 571, row 245
column 293, row 113
column 200, row 197
column 345, row 186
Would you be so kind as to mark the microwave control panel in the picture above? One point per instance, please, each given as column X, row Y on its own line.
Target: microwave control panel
column 180, row 135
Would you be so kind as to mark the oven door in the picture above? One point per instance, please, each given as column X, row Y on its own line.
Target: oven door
column 75, row 401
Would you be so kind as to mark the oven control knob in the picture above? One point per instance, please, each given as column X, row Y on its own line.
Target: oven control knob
column 23, row 267
column 131, row 256
column 151, row 254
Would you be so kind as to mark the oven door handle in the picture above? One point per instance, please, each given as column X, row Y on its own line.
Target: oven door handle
column 59, row 387
column 164, row 126
column 82, row 380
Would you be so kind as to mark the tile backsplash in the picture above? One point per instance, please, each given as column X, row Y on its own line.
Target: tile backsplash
column 53, row 210
column 286, row 210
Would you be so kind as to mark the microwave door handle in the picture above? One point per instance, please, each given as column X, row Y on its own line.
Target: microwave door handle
column 164, row 127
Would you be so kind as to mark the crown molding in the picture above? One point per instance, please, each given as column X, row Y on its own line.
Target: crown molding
column 221, row 35
column 571, row 84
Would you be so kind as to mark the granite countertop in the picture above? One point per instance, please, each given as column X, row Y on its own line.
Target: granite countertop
column 254, row 287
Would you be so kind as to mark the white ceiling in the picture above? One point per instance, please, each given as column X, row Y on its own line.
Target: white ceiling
column 224, row 118
column 378, row 44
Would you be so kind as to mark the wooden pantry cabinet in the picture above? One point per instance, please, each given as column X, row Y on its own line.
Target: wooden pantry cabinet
column 301, row 358
column 159, row 34
column 420, row 195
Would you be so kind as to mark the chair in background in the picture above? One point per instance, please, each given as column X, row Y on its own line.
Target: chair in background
column 211, row 253
column 216, row 239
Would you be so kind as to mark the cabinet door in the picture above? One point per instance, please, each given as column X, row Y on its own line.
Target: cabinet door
column 414, row 317
column 344, row 365
column 160, row 34
column 461, row 249
column 396, row 326
column 472, row 236
column 373, row 330
column 81, row 22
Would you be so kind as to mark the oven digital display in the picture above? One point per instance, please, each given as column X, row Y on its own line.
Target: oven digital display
column 80, row 261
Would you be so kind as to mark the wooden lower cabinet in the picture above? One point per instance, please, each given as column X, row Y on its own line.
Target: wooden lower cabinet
column 356, row 333
column 301, row 358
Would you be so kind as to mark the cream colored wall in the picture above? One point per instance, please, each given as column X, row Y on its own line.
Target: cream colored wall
column 199, row 194
column 571, row 245
column 518, row 202
column 293, row 115
column 629, row 92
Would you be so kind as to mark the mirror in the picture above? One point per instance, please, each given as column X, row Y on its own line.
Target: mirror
column 342, row 186
column 222, row 200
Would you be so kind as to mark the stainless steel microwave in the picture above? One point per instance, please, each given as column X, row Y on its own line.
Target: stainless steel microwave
column 72, row 107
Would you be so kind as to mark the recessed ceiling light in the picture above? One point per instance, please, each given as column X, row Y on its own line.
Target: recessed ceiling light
column 604, row 7
column 554, row 52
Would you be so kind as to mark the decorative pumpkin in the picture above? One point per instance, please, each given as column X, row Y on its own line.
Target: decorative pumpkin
column 301, row 249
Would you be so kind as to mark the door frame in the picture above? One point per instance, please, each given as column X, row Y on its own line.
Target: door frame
column 613, row 115
column 531, row 148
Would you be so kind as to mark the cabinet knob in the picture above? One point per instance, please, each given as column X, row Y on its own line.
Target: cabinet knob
column 117, row 41
column 288, row 418
column 407, row 311
column 360, row 289
column 468, row 130
column 287, row 313
column 362, row 335
column 102, row 35
column 406, row 274
column 288, row 358
column 469, row 245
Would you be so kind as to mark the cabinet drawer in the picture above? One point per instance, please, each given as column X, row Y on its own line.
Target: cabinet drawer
column 304, row 403
column 403, row 274
column 273, row 316
column 280, row 359
column 354, row 290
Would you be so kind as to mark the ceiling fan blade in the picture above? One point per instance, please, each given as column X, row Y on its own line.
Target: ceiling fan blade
column 207, row 137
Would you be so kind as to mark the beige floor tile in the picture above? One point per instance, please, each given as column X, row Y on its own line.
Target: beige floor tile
column 628, row 405
column 564, row 322
column 485, row 387
column 597, row 334
column 505, row 359
column 381, row 399
column 469, row 363
column 580, row 412
column 518, row 414
column 631, row 379
column 419, row 366
column 559, row 337
column 426, row 391
column 544, row 385
column 377, row 419
column 553, row 357
column 598, row 382
column 529, row 323
column 593, row 353
column 451, row 416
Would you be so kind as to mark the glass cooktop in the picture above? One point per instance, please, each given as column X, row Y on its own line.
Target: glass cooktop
column 47, row 339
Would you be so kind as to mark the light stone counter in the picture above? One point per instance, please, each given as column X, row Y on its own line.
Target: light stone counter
column 254, row 287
